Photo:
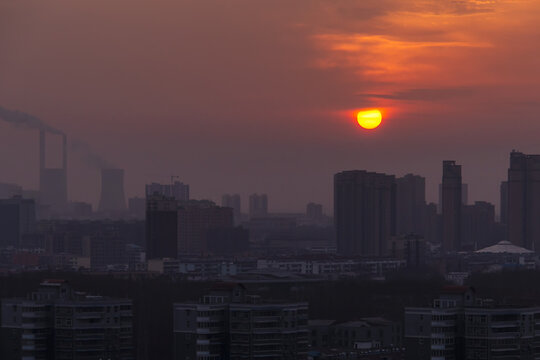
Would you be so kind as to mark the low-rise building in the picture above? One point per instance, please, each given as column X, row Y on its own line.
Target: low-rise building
column 56, row 322
column 228, row 323
column 461, row 326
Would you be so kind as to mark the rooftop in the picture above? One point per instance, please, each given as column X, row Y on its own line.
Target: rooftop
column 504, row 247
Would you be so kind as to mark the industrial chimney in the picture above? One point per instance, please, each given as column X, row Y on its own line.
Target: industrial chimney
column 112, row 191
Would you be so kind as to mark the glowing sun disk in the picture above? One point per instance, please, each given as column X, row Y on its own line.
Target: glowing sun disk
column 369, row 119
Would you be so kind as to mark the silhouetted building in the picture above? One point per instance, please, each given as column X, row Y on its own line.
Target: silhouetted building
column 195, row 218
column 524, row 200
column 17, row 218
column 177, row 190
column 410, row 204
column 258, row 205
column 462, row 326
column 227, row 240
column 433, row 224
column 451, row 206
column 234, row 202
column 52, row 181
column 364, row 212
column 464, row 196
column 161, row 227
column 504, row 202
column 112, row 191
column 478, row 222
column 230, row 324
column 56, row 322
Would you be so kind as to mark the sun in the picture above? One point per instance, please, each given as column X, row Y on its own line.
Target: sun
column 369, row 119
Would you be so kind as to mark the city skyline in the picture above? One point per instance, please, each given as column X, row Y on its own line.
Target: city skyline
column 455, row 80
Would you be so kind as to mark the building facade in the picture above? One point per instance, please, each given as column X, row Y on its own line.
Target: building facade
column 228, row 323
column 56, row 322
column 364, row 212
column 524, row 200
column 461, row 326
column 451, row 206
column 410, row 204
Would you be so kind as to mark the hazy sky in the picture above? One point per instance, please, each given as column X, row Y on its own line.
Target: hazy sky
column 256, row 96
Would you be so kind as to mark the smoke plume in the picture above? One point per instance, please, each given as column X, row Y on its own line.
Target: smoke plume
column 89, row 156
column 18, row 118
column 86, row 153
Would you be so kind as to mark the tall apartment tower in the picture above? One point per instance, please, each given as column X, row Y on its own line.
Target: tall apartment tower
column 451, row 206
column 195, row 220
column 410, row 204
column 364, row 212
column 258, row 205
column 524, row 200
column 17, row 218
column 161, row 227
column 52, row 181
column 504, row 202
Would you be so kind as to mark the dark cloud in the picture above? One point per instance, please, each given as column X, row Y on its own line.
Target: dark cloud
column 430, row 94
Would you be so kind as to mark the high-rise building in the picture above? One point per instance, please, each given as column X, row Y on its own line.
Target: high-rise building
column 52, row 181
column 524, row 200
column 461, row 326
column 451, row 206
column 504, row 202
column 195, row 218
column 478, row 224
column 230, row 324
column 17, row 218
column 433, row 225
column 161, row 227
column 364, row 212
column 410, row 204
column 258, row 205
column 234, row 202
column 177, row 190
column 464, row 196
column 112, row 191
column 56, row 322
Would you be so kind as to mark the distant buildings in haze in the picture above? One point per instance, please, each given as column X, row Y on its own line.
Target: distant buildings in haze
column 177, row 190
column 258, row 205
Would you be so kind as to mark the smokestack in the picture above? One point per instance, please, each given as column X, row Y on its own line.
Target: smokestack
column 41, row 150
column 112, row 191
column 64, row 152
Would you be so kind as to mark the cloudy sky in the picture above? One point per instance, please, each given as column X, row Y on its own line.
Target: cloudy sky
column 258, row 96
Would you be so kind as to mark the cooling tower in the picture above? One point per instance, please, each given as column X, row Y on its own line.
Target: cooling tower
column 112, row 191
column 52, row 182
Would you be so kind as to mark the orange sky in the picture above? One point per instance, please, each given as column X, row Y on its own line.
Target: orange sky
column 251, row 96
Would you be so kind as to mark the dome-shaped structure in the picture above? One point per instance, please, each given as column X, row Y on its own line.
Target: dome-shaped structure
column 504, row 247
